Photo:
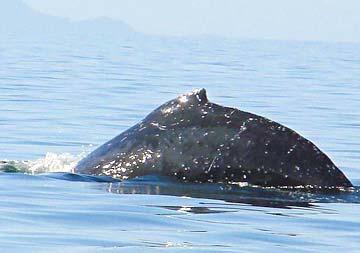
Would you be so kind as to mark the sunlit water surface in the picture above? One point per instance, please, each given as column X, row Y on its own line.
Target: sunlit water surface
column 62, row 97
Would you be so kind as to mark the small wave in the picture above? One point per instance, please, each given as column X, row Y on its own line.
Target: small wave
column 79, row 177
column 50, row 163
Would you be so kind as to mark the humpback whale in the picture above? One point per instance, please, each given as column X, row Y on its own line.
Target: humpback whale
column 194, row 140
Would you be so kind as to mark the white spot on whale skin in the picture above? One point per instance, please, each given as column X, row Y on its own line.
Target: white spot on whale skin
column 158, row 126
column 106, row 166
column 167, row 110
column 183, row 99
column 141, row 129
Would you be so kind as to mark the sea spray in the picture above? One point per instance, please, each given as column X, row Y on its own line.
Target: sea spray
column 50, row 163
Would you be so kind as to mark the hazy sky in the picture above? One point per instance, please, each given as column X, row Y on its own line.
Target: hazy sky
column 330, row 20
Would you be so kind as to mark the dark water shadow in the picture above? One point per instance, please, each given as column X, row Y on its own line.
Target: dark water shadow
column 256, row 196
column 231, row 193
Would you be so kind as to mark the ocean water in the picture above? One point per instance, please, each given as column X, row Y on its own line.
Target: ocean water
column 61, row 97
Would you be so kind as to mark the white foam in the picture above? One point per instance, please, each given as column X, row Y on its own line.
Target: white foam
column 54, row 163
column 50, row 163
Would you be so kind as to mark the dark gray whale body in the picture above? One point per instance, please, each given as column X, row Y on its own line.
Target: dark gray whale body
column 194, row 140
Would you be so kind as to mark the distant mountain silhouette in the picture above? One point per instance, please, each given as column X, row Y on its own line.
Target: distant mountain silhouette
column 18, row 18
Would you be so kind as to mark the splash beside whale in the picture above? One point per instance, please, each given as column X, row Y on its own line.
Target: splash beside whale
column 194, row 140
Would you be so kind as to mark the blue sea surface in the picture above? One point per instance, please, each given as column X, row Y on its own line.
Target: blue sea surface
column 60, row 98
